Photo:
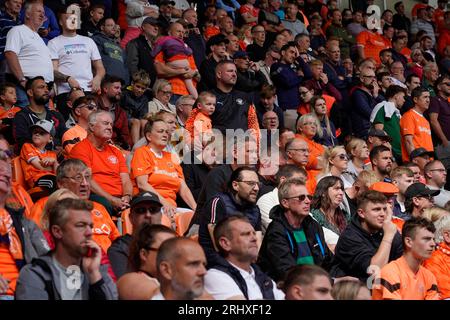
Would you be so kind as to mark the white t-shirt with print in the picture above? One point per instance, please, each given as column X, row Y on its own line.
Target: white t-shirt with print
column 75, row 55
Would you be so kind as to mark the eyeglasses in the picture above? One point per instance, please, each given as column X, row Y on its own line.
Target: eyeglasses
column 301, row 150
column 90, row 106
column 79, row 178
column 167, row 93
column 144, row 210
column 302, row 93
column 342, row 156
column 302, row 197
column 446, row 83
column 439, row 170
column 251, row 184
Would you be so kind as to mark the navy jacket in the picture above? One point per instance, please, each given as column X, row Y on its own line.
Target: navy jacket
column 362, row 106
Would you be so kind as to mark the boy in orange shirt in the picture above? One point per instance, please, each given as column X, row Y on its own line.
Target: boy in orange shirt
column 8, row 110
column 199, row 123
column 38, row 164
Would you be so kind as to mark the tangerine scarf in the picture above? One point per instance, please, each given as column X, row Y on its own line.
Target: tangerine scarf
column 9, row 236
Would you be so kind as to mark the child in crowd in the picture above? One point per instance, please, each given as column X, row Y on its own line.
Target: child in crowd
column 135, row 103
column 38, row 164
column 8, row 110
column 199, row 125
column 176, row 53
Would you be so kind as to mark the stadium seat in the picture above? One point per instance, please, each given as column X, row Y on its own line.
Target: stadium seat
column 182, row 221
column 17, row 173
column 126, row 223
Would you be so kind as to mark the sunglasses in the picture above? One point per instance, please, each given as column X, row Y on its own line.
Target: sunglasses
column 90, row 106
column 302, row 197
column 144, row 210
column 343, row 157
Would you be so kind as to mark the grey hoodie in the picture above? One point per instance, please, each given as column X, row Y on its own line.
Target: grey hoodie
column 40, row 280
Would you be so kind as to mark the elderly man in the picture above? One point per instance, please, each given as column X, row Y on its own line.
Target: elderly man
column 235, row 275
column 293, row 237
column 26, row 54
column 297, row 153
column 74, row 175
column 75, row 260
column 145, row 208
column 111, row 182
column 436, row 177
column 181, row 268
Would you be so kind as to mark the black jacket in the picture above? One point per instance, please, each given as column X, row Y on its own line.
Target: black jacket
column 355, row 249
column 138, row 56
column 278, row 250
column 118, row 254
column 265, row 284
column 25, row 118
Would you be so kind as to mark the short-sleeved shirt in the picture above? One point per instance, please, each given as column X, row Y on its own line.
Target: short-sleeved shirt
column 392, row 127
column 72, row 136
column 10, row 113
column 106, row 165
column 399, row 282
column 415, row 124
column 75, row 55
column 164, row 172
column 178, row 84
column 442, row 107
column 372, row 42
column 34, row 56
column 29, row 153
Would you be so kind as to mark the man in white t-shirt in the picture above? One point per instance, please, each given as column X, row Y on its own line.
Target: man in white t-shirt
column 26, row 54
column 74, row 56
column 235, row 276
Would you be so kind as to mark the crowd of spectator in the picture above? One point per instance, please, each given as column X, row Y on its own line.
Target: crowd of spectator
column 224, row 149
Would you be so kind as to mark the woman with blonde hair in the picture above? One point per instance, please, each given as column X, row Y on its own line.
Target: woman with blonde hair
column 358, row 152
column 362, row 183
column 434, row 213
column 162, row 91
column 335, row 163
column 307, row 127
column 327, row 134
column 350, row 290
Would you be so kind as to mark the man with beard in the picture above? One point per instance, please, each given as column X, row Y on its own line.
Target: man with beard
column 110, row 184
column 38, row 95
column 364, row 97
column 240, row 197
column 381, row 158
column 180, row 265
column 109, row 101
column 75, row 260
column 236, row 276
column 293, row 237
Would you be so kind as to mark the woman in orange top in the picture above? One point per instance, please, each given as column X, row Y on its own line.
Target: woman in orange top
column 306, row 130
column 439, row 262
column 159, row 171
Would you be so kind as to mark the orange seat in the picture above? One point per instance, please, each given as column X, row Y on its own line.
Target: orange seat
column 126, row 223
column 182, row 221
column 165, row 220
column 17, row 173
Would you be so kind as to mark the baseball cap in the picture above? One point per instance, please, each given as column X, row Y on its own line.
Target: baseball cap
column 166, row 2
column 379, row 133
column 145, row 196
column 46, row 125
column 386, row 188
column 240, row 54
column 152, row 21
column 419, row 189
column 418, row 152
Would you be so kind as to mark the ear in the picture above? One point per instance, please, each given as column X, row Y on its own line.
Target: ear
column 56, row 232
column 165, row 269
column 77, row 111
column 408, row 242
column 147, row 136
column 143, row 255
column 225, row 244
column 360, row 213
column 284, row 203
column 446, row 235
column 415, row 201
column 234, row 185
column 30, row 92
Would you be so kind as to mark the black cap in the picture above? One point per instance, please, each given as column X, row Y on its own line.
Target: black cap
column 166, row 2
column 419, row 189
column 217, row 39
column 379, row 133
column 152, row 21
column 145, row 196
column 240, row 54
column 419, row 152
